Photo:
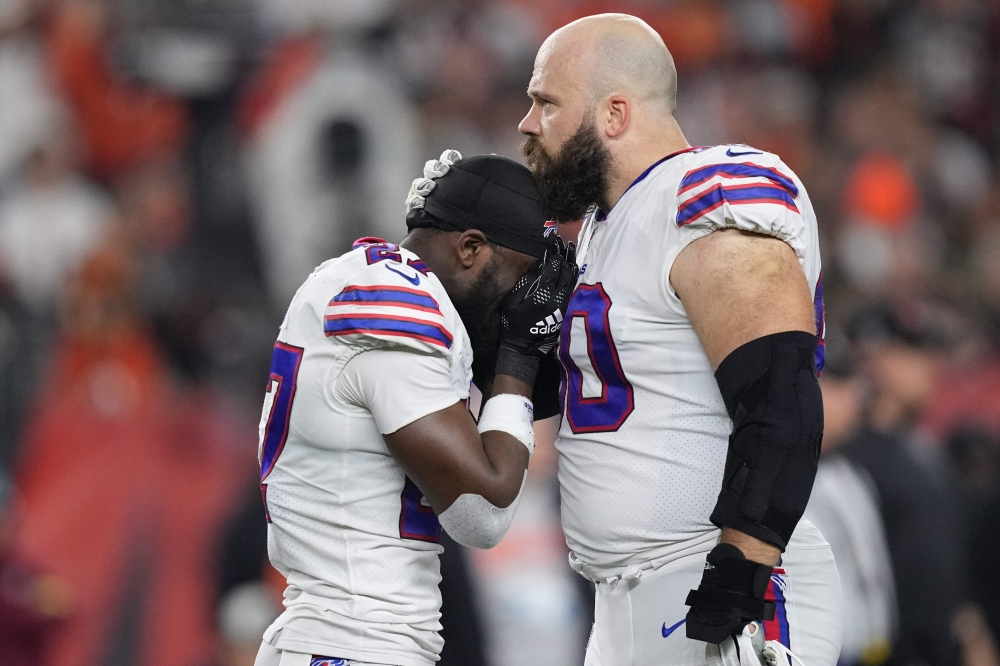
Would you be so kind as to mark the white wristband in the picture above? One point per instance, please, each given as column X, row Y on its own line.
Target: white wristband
column 512, row 414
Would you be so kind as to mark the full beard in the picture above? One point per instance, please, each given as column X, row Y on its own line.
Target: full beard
column 576, row 178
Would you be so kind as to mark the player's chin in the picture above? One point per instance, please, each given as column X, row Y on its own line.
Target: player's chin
column 535, row 156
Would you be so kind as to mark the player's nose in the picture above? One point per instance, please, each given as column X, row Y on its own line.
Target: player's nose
column 530, row 125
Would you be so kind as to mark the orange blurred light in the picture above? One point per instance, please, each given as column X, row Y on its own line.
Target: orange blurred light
column 881, row 191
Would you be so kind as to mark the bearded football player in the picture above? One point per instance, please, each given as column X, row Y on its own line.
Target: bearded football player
column 692, row 415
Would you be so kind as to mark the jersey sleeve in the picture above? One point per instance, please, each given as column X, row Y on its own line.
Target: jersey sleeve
column 759, row 194
column 397, row 385
column 389, row 304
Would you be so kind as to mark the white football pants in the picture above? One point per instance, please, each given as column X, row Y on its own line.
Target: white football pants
column 639, row 617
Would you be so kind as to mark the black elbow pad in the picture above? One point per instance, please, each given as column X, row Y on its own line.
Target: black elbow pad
column 772, row 394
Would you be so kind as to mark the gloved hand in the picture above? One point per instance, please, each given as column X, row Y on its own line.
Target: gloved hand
column 531, row 314
column 421, row 187
column 731, row 595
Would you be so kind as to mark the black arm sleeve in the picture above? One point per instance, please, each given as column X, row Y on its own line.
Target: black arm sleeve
column 772, row 394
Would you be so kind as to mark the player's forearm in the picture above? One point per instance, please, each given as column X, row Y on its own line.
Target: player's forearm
column 507, row 456
column 752, row 547
column 508, row 459
column 508, row 384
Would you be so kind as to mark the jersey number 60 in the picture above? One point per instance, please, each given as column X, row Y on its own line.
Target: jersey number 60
column 607, row 411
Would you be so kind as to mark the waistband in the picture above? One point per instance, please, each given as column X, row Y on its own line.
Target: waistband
column 697, row 545
column 806, row 538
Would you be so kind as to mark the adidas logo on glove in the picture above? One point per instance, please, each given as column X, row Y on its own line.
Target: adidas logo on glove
column 550, row 324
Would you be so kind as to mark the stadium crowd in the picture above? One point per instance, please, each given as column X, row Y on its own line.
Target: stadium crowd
column 171, row 172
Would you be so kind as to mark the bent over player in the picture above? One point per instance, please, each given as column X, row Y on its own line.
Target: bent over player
column 367, row 448
column 690, row 348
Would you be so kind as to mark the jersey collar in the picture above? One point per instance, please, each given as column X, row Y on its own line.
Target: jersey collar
column 601, row 215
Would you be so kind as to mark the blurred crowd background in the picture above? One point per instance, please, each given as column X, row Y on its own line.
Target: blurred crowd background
column 170, row 172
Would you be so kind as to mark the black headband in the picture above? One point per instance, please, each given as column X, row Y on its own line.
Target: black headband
column 492, row 194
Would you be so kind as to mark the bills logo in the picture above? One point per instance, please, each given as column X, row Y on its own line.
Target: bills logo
column 329, row 661
column 551, row 229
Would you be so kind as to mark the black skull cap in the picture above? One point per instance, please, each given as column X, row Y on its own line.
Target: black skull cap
column 493, row 194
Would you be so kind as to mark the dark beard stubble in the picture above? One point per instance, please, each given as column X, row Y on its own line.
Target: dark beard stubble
column 480, row 310
column 576, row 178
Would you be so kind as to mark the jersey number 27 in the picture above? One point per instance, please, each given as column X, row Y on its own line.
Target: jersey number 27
column 277, row 410
column 416, row 519
column 604, row 410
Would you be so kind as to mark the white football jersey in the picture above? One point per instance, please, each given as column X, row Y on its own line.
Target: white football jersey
column 645, row 432
column 353, row 536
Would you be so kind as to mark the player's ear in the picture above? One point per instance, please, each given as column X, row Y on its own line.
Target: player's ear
column 471, row 247
column 618, row 115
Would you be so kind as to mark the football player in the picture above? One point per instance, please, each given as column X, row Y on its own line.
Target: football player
column 367, row 448
column 690, row 350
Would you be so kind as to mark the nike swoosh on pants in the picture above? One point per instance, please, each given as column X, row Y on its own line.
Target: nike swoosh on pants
column 669, row 630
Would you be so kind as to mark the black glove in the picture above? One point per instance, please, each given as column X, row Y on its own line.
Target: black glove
column 532, row 313
column 731, row 595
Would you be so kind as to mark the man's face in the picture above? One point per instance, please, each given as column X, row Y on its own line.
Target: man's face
column 478, row 303
column 564, row 149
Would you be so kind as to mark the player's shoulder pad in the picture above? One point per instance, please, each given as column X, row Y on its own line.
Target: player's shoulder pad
column 390, row 298
column 738, row 186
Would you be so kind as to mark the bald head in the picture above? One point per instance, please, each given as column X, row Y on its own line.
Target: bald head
column 614, row 53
